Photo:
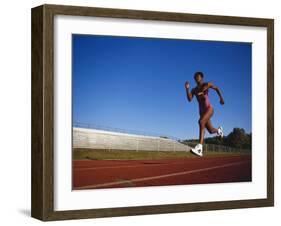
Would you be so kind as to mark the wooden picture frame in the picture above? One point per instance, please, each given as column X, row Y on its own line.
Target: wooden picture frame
column 43, row 109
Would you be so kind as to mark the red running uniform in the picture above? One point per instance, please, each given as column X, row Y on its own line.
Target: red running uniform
column 204, row 102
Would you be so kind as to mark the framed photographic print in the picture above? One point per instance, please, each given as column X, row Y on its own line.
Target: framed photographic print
column 142, row 112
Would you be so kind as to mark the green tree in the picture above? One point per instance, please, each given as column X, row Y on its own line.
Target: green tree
column 238, row 138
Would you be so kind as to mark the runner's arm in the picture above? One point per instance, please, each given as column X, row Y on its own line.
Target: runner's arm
column 212, row 86
column 189, row 94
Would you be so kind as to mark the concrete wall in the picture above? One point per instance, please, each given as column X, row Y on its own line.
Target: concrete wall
column 99, row 139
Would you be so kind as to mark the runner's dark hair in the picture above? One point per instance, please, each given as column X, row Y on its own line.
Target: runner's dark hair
column 199, row 73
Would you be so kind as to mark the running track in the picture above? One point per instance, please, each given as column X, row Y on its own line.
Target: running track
column 89, row 174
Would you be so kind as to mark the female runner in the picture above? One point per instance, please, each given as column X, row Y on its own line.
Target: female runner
column 206, row 110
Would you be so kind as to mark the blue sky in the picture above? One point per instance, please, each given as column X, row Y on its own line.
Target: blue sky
column 138, row 83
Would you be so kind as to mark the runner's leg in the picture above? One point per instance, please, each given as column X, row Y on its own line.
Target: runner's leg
column 210, row 127
column 205, row 117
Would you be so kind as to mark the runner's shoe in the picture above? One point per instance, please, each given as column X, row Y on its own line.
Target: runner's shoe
column 220, row 132
column 197, row 150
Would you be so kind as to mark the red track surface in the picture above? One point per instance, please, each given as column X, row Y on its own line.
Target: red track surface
column 89, row 174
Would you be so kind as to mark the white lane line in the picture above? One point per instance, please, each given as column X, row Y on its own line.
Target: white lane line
column 161, row 176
